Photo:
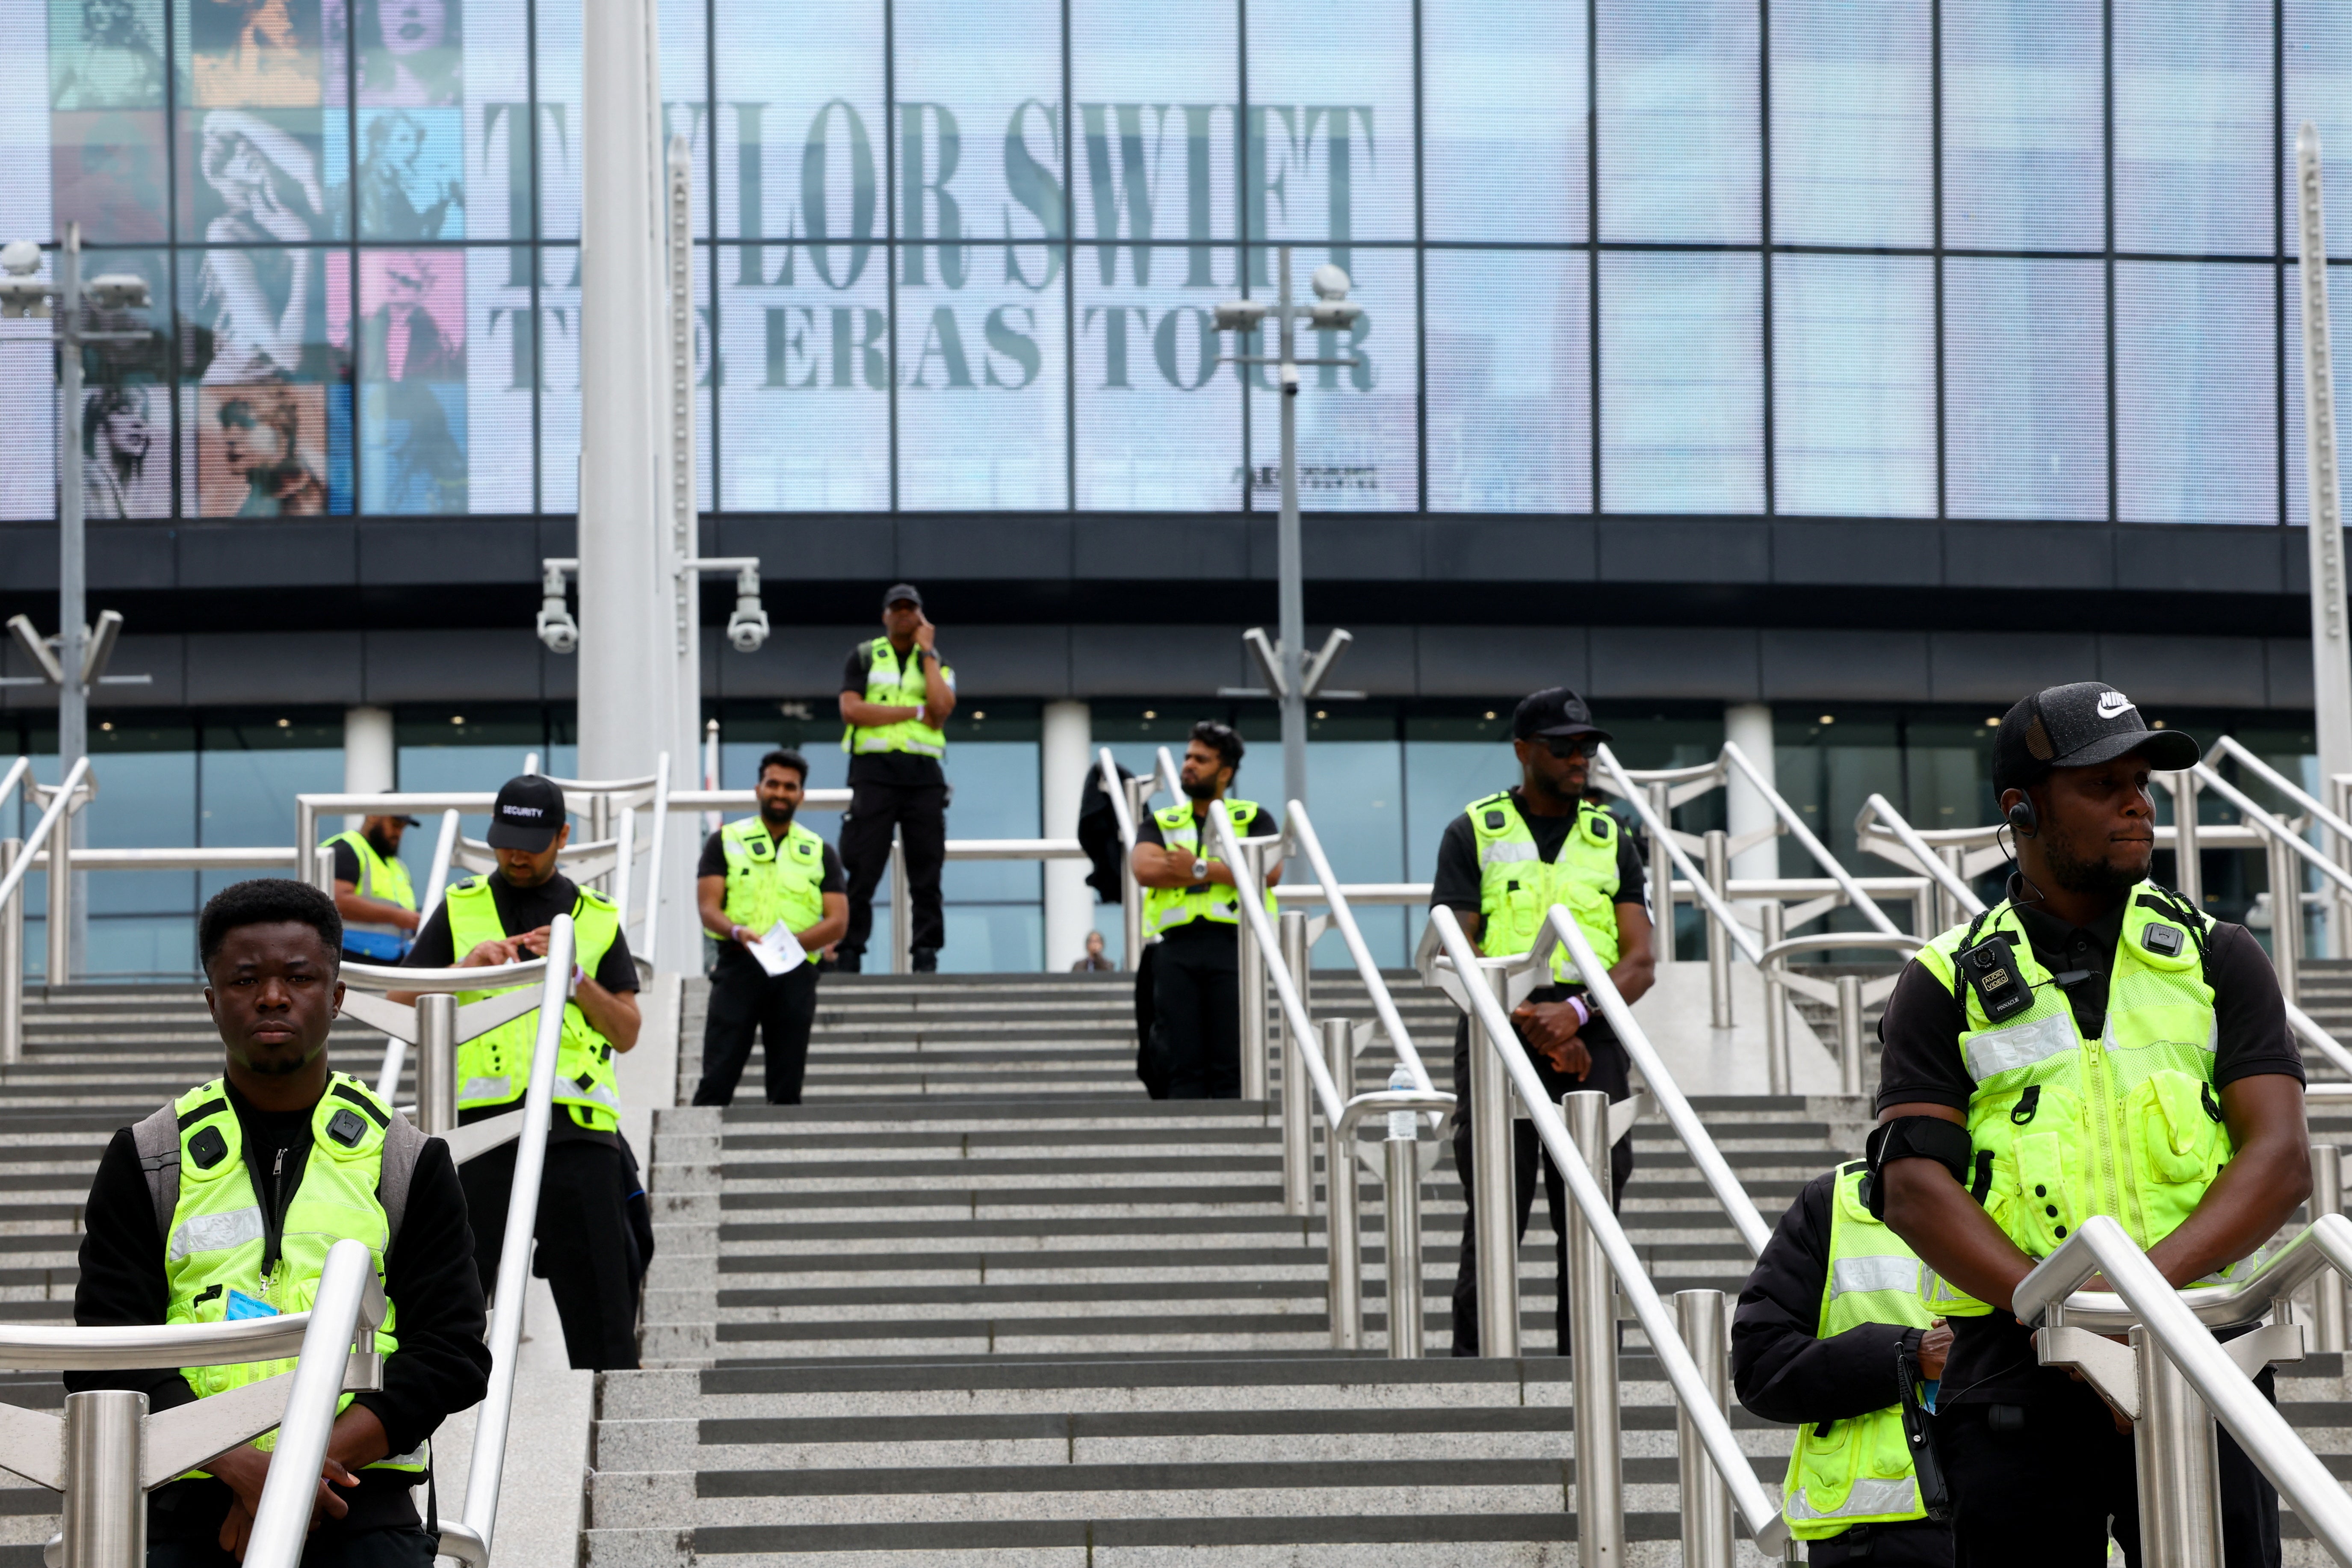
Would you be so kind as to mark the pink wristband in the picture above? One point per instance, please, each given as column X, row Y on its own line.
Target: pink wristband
column 1583, row 1010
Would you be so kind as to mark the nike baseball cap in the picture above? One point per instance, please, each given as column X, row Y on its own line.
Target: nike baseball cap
column 527, row 815
column 2078, row 726
column 1555, row 713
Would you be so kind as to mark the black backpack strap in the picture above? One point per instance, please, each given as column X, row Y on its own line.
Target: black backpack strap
column 1959, row 986
column 402, row 1143
column 156, row 1136
column 2165, row 901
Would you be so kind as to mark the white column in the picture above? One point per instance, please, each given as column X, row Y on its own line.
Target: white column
column 1062, row 761
column 368, row 764
column 1749, row 726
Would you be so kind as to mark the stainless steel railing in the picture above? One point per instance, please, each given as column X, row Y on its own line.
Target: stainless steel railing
column 109, row 1450
column 54, row 827
column 1600, row 1250
column 435, row 1025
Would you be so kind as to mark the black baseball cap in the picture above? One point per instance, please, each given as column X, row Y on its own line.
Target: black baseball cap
column 397, row 817
column 901, row 591
column 1555, row 713
column 527, row 815
column 2077, row 726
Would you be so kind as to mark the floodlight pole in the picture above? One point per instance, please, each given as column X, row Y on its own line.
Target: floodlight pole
column 2331, row 646
column 1289, row 559
column 73, row 697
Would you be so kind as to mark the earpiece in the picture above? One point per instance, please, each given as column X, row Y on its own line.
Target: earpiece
column 2022, row 815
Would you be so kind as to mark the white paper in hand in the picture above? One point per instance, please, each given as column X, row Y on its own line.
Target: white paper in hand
column 778, row 950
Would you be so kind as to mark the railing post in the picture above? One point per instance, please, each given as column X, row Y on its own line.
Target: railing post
column 1344, row 1228
column 105, row 1514
column 1706, row 1500
column 1849, row 1028
column 1494, row 1213
column 1779, row 1074
column 436, row 1062
column 1718, row 941
column 2327, row 1328
column 902, row 918
column 60, row 878
column 2179, row 1458
column 1130, row 891
column 1253, row 992
column 12, row 959
column 1401, row 1202
column 1947, row 908
column 1297, row 1085
column 2189, row 871
column 2286, row 916
column 600, row 827
column 1661, row 873
column 1592, row 1331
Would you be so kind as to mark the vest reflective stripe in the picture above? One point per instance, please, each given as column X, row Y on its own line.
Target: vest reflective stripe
column 772, row 879
column 220, row 1243
column 2063, row 1126
column 379, row 878
column 1164, row 909
column 893, row 684
column 1517, row 888
column 494, row 1068
column 1857, row 1471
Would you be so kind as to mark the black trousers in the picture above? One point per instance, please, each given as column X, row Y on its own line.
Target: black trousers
column 2047, row 1495
column 1607, row 1074
column 919, row 813
column 780, row 1007
column 402, row 1547
column 1196, row 1000
column 1913, row 1543
column 586, row 1250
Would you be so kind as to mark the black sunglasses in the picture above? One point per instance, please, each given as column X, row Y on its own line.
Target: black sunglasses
column 1567, row 748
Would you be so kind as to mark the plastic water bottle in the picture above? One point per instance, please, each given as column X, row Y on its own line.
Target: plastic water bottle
column 1404, row 1124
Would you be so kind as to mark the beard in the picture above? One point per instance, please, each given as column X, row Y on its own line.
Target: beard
column 2099, row 877
column 379, row 841
column 777, row 816
column 1200, row 788
column 279, row 1067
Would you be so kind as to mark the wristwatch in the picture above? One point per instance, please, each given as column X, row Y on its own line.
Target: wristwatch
column 1200, row 869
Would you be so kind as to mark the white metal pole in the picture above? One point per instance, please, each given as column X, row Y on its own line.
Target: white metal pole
column 2331, row 649
column 1290, row 561
column 368, row 764
column 1749, row 726
column 1062, row 758
column 72, row 942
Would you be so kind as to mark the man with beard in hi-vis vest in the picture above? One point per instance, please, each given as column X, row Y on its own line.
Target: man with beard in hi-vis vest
column 2090, row 1045
column 896, row 695
column 588, row 1250
column 223, row 1204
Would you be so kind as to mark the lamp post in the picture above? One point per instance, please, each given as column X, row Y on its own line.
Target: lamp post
column 1290, row 676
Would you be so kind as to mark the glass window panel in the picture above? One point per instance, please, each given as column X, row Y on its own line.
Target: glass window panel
column 1504, row 111
column 1853, row 150
column 412, row 369
column 1159, row 426
column 1679, row 159
column 126, row 412
column 410, row 180
column 1355, row 778
column 806, row 419
column 2317, row 53
column 1682, row 383
column 253, row 54
column 2339, row 290
column 266, row 431
column 149, row 778
column 262, row 177
column 1155, row 83
column 2023, row 108
column 2196, row 393
column 1854, row 377
column 1331, row 106
column 497, row 121
column 104, row 54
column 25, row 172
column 996, row 797
column 1510, row 381
column 558, row 31
column 982, row 370
column 2025, row 389
column 2193, row 102
column 107, row 170
column 559, row 370
column 498, row 386
column 1357, row 437
column 801, row 150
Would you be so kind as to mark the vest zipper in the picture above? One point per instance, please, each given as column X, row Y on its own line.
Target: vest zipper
column 273, row 1221
column 2094, row 1073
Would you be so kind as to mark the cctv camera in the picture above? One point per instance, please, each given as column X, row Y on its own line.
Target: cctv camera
column 747, row 628
column 1330, row 282
column 557, row 629
column 117, row 292
column 20, row 257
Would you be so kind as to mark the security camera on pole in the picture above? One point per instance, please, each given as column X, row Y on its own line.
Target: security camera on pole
column 1290, row 676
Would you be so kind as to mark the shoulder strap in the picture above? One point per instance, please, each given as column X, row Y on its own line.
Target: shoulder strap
column 1959, row 986
column 2164, row 900
column 156, row 1136
column 402, row 1143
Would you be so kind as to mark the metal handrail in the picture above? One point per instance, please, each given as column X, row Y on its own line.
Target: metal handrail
column 1286, row 988
column 60, row 802
column 1877, row 811
column 1662, row 834
column 282, row 1524
column 651, row 931
column 2230, row 746
column 1731, row 1463
column 436, row 879
column 693, row 800
column 18, row 771
column 1300, row 828
column 2269, row 826
column 1867, row 907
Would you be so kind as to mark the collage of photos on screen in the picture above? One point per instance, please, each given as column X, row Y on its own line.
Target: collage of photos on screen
column 320, row 337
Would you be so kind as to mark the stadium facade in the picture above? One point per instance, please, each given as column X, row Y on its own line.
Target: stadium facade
column 1871, row 363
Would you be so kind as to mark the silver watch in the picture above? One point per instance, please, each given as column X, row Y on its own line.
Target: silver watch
column 1200, row 869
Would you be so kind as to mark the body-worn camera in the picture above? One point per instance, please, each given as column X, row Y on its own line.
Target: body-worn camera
column 1991, row 972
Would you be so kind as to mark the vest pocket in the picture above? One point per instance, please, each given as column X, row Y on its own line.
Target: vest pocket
column 2181, row 1143
column 2038, row 1183
column 1828, row 1461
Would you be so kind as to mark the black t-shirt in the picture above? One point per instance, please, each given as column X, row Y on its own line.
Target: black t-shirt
column 1456, row 886
column 909, row 770
column 524, row 910
column 1263, row 823
column 347, row 862
column 441, row 1367
column 1992, row 1359
column 714, row 864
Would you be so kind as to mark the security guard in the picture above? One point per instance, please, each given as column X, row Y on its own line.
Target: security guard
column 1501, row 866
column 1192, row 912
column 586, row 1248
column 895, row 693
column 2090, row 1045
column 1836, row 1314
column 223, row 1204
column 763, row 872
column 372, row 890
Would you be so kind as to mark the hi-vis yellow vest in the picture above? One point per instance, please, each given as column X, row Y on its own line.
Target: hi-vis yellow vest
column 1517, row 888
column 379, row 878
column 896, row 684
column 771, row 879
column 1164, row 909
column 223, row 1257
column 494, row 1069
column 1858, row 1470
column 2064, row 1127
